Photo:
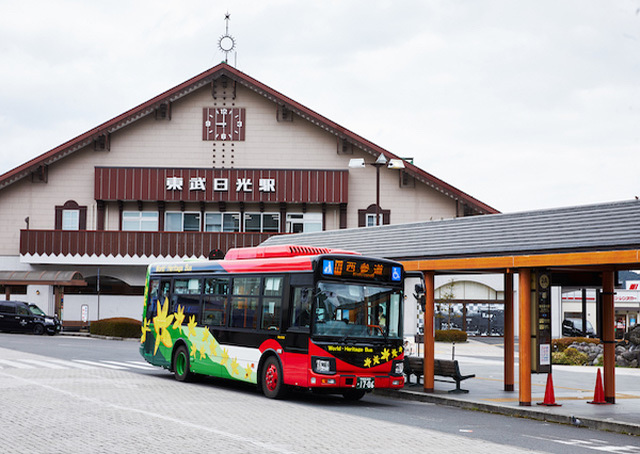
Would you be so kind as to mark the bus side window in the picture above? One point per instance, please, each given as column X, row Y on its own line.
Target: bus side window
column 186, row 296
column 272, row 302
column 152, row 298
column 165, row 291
column 301, row 307
column 215, row 301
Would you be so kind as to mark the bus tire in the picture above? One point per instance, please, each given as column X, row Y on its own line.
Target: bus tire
column 181, row 364
column 272, row 379
column 353, row 394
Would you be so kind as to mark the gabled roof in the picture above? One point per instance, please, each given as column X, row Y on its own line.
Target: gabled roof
column 602, row 227
column 206, row 78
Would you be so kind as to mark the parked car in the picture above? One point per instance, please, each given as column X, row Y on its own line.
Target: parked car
column 25, row 317
column 572, row 327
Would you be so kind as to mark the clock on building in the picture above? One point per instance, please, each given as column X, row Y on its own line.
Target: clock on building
column 223, row 123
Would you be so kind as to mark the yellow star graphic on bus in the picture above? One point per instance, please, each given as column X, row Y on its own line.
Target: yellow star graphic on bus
column 194, row 350
column 225, row 356
column 367, row 362
column 213, row 345
column 400, row 349
column 235, row 366
column 205, row 335
column 192, row 326
column 247, row 371
column 203, row 353
column 394, row 353
column 385, row 354
column 376, row 360
column 179, row 318
column 161, row 322
column 145, row 329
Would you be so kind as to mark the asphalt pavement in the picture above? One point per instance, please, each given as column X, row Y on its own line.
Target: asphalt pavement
column 573, row 388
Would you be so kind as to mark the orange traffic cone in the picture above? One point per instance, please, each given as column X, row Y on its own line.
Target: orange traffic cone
column 598, row 394
column 549, row 395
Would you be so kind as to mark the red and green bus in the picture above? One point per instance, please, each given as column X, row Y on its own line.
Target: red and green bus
column 281, row 317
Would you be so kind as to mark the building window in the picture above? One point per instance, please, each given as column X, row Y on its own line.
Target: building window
column 222, row 222
column 181, row 222
column 140, row 221
column 371, row 220
column 70, row 219
column 367, row 218
column 304, row 222
column 71, row 216
column 262, row 222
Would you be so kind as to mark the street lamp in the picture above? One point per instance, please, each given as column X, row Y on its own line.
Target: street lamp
column 358, row 163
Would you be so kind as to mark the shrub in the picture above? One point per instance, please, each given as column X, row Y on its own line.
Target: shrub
column 116, row 327
column 570, row 357
column 451, row 335
column 560, row 345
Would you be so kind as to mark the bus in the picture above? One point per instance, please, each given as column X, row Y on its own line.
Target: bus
column 280, row 317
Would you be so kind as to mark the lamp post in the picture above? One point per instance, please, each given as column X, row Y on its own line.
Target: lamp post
column 358, row 163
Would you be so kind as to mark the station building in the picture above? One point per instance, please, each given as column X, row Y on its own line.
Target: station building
column 219, row 161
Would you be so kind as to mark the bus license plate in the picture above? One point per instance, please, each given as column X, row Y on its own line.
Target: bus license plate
column 366, row 383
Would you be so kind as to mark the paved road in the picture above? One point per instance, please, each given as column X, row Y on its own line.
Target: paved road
column 58, row 403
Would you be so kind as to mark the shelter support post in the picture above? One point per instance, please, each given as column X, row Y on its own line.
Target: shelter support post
column 429, row 338
column 608, row 336
column 509, row 347
column 524, row 292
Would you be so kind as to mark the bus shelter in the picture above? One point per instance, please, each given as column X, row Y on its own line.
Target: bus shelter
column 576, row 246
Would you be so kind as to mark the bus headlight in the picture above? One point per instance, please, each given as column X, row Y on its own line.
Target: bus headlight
column 326, row 366
column 398, row 368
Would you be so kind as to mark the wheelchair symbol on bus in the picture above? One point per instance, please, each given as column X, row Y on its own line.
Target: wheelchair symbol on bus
column 327, row 267
column 396, row 273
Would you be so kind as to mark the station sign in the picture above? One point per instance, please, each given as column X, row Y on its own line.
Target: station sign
column 541, row 322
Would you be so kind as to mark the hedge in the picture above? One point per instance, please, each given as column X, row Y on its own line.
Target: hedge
column 570, row 357
column 116, row 327
column 560, row 345
column 451, row 335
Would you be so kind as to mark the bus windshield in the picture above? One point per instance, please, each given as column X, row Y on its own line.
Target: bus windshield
column 357, row 310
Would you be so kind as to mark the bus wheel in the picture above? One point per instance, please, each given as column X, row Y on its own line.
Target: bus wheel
column 353, row 394
column 272, row 385
column 181, row 368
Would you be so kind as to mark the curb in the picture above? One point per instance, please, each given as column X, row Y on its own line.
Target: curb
column 97, row 336
column 607, row 425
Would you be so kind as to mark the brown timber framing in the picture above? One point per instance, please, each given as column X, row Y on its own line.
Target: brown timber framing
column 604, row 261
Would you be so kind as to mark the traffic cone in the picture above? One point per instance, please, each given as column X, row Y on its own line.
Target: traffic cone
column 598, row 394
column 549, row 395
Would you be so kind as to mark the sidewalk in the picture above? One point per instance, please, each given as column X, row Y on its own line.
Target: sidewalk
column 574, row 386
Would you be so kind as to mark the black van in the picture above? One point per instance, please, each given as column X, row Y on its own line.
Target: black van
column 572, row 327
column 21, row 316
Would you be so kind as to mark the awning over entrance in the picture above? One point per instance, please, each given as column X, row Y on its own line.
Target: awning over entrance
column 68, row 278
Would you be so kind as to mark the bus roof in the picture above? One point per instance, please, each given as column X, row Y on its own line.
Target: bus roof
column 287, row 250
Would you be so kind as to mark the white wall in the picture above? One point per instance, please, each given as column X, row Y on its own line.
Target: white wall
column 109, row 306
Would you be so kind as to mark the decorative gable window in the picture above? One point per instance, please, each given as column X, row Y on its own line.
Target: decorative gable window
column 367, row 218
column 71, row 216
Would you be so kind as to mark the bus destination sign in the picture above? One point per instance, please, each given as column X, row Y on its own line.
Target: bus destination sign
column 362, row 269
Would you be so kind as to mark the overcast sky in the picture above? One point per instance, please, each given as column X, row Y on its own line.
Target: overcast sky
column 523, row 105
